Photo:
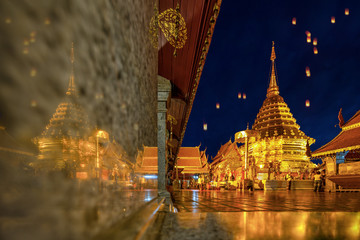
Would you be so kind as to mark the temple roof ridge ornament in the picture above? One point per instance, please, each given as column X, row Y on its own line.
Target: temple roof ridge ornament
column 273, row 89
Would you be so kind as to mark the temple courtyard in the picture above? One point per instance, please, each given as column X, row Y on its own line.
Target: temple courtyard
column 249, row 215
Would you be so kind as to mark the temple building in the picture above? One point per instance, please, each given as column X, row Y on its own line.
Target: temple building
column 228, row 163
column 190, row 162
column 276, row 144
column 342, row 155
column 280, row 141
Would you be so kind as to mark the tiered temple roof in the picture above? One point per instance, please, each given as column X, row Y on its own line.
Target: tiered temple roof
column 189, row 160
column 347, row 140
column 274, row 117
column 227, row 151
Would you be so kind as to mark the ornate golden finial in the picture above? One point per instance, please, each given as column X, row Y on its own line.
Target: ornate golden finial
column 273, row 56
column 273, row 87
column 71, row 88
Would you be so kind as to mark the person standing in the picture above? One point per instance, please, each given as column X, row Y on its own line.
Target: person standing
column 317, row 181
column 288, row 178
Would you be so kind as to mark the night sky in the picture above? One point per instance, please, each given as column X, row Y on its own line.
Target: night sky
column 239, row 61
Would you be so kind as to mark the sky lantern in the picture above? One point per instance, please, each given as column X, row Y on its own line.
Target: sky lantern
column 315, row 50
column 205, row 126
column 33, row 72
column 217, row 105
column 307, row 103
column 315, row 41
column 333, row 19
column 33, row 103
column 308, row 34
column 293, row 21
column 346, row 11
column 244, row 96
column 308, row 39
column 239, row 95
column 307, row 70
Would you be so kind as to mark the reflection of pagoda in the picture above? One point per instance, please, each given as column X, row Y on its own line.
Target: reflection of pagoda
column 62, row 144
column 280, row 143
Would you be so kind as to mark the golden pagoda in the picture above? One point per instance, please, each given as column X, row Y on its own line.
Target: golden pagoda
column 64, row 145
column 280, row 145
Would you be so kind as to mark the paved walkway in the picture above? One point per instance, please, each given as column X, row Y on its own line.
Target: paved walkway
column 263, row 215
column 237, row 201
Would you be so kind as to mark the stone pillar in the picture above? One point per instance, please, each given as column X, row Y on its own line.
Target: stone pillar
column 331, row 170
column 164, row 88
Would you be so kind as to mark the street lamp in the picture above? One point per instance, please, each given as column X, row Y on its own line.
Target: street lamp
column 102, row 135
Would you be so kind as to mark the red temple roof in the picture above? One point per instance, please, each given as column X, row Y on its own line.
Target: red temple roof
column 189, row 152
column 348, row 139
column 355, row 119
column 189, row 159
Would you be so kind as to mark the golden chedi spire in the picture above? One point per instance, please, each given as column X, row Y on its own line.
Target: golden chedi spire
column 71, row 89
column 69, row 118
column 273, row 87
column 280, row 139
column 274, row 117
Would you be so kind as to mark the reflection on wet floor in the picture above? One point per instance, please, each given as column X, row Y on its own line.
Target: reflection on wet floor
column 263, row 215
column 236, row 201
column 262, row 225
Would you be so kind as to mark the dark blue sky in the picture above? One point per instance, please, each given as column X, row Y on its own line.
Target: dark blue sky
column 239, row 61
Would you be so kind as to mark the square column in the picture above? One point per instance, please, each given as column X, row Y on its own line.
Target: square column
column 164, row 88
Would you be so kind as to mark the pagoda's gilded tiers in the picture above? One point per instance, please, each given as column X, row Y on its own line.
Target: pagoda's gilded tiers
column 64, row 145
column 280, row 140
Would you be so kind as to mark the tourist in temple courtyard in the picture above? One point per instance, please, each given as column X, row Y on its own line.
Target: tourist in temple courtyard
column 322, row 178
column 288, row 178
column 317, row 181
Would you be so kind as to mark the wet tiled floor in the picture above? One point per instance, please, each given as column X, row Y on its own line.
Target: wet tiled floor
column 237, row 201
column 262, row 225
column 263, row 215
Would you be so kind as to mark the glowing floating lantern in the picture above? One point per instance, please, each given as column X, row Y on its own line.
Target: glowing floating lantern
column 239, row 95
column 333, row 20
column 308, row 39
column 205, row 126
column 315, row 50
column 293, row 21
column 47, row 21
column 307, row 70
column 315, row 41
column 32, row 36
column 244, row 96
column 217, row 105
column 25, row 51
column 346, row 11
column 33, row 72
column 307, row 103
column 33, row 103
column 308, row 34
column 8, row 20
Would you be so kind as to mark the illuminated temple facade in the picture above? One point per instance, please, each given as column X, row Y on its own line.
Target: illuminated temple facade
column 279, row 143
